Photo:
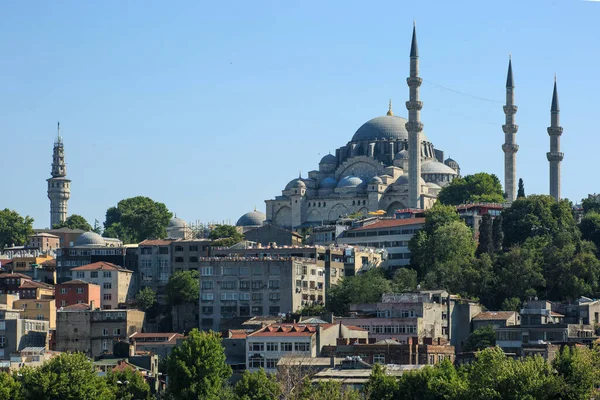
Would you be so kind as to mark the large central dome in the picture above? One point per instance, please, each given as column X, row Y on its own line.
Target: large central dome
column 387, row 127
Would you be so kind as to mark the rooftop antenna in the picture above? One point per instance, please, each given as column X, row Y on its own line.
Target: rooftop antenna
column 59, row 139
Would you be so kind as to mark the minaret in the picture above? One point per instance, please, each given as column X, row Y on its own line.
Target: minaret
column 59, row 187
column 414, row 126
column 554, row 155
column 510, row 146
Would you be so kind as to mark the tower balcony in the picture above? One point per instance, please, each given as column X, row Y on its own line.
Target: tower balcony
column 510, row 109
column 414, row 81
column 412, row 105
column 510, row 128
column 414, row 126
column 510, row 148
column 555, row 156
column 555, row 130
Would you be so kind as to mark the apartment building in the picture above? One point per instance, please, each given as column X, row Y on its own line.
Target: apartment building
column 160, row 344
column 239, row 287
column 72, row 257
column 10, row 282
column 17, row 333
column 35, row 290
column 44, row 242
column 188, row 252
column 268, row 345
column 38, row 309
column 114, row 282
column 93, row 332
column 154, row 265
column 77, row 292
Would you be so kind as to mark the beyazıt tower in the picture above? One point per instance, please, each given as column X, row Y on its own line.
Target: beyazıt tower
column 554, row 155
column 510, row 146
column 414, row 126
column 59, row 187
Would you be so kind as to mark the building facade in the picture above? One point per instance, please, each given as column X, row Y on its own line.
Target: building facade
column 78, row 292
column 45, row 242
column 114, row 282
column 154, row 264
column 188, row 252
column 18, row 333
column 38, row 309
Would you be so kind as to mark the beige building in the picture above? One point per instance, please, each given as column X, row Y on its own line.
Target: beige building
column 44, row 242
column 93, row 332
column 25, row 263
column 38, row 309
column 188, row 252
column 114, row 282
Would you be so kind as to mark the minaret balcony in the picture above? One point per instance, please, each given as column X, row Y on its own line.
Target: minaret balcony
column 555, row 156
column 414, row 81
column 414, row 105
column 555, row 130
column 414, row 126
column 510, row 128
column 510, row 109
column 510, row 148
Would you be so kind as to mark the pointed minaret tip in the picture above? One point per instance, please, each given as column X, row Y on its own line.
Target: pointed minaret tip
column 555, row 107
column 510, row 83
column 414, row 49
column 390, row 112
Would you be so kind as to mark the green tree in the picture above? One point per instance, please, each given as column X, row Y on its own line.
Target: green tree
column 578, row 370
column 225, row 235
column 312, row 309
column 478, row 188
column 481, row 338
column 486, row 238
column 14, row 229
column 590, row 204
column 183, row 287
column 536, row 215
column 145, row 298
column 512, row 304
column 74, row 222
column 97, row 227
column 380, row 385
column 590, row 228
column 325, row 390
column 197, row 368
column 68, row 376
column 129, row 385
column 365, row 288
column 405, row 280
column 10, row 388
column 257, row 386
column 521, row 191
column 497, row 233
column 136, row 219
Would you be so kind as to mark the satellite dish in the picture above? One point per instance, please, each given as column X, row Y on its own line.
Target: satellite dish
column 418, row 287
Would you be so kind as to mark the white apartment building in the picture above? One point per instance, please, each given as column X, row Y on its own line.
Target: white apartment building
column 114, row 281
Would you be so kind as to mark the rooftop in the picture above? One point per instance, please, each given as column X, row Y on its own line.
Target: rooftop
column 29, row 284
column 100, row 265
column 76, row 282
column 494, row 315
column 391, row 223
column 289, row 330
column 148, row 242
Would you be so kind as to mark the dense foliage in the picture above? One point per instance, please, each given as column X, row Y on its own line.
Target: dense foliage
column 480, row 187
column 145, row 299
column 183, row 287
column 136, row 219
column 74, row 221
column 225, row 235
column 14, row 229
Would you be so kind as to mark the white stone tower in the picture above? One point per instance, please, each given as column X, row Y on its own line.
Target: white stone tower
column 414, row 126
column 59, row 187
column 554, row 155
column 510, row 146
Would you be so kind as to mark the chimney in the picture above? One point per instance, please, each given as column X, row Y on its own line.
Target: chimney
column 92, row 305
column 332, row 361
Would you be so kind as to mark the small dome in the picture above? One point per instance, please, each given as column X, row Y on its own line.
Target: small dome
column 176, row 223
column 350, row 181
column 376, row 180
column 403, row 180
column 451, row 163
column 90, row 239
column 328, row 159
column 252, row 218
column 328, row 183
column 401, row 155
column 436, row 167
column 295, row 183
column 433, row 185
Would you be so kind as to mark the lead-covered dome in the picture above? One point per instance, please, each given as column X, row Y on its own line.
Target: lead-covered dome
column 387, row 127
column 295, row 183
column 176, row 223
column 252, row 218
column 350, row 181
column 328, row 183
column 90, row 239
column 328, row 159
column 436, row 167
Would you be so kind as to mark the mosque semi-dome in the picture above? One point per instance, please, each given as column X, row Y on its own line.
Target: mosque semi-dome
column 376, row 180
column 436, row 167
column 252, row 218
column 328, row 183
column 295, row 183
column 90, row 239
column 350, row 181
column 401, row 155
column 328, row 159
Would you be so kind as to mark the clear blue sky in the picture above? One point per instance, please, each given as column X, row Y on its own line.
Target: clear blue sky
column 212, row 107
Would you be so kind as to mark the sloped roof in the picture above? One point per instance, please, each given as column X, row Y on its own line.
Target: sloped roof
column 494, row 315
column 29, row 284
column 391, row 223
column 100, row 265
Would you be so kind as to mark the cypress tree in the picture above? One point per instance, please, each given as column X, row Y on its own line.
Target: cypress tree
column 497, row 233
column 521, row 191
column 486, row 242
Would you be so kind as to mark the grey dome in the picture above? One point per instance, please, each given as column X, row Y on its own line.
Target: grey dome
column 328, row 183
column 451, row 163
column 403, row 180
column 177, row 223
column 252, row 218
column 295, row 183
column 436, row 167
column 376, row 180
column 401, row 155
column 350, row 181
column 90, row 239
column 387, row 127
column 433, row 185
column 328, row 159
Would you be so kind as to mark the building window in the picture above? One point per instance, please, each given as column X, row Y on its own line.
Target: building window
column 286, row 347
column 208, row 296
column 207, row 271
column 301, row 347
column 256, row 362
column 94, row 274
column 207, row 284
column 107, row 274
column 272, row 363
column 104, row 332
column 105, row 345
column 229, row 285
column 63, row 303
column 178, row 248
column 273, row 346
column 244, row 296
column 273, row 284
column 80, row 290
column 178, row 259
column 378, row 358
column 257, row 284
column 257, row 310
column 244, row 285
column 229, row 296
column 273, row 296
column 257, row 296
column 80, row 274
column 107, row 285
column 163, row 250
column 38, row 305
column 116, row 331
column 193, row 247
column 274, row 310
column 256, row 347
column 2, row 341
column 207, row 310
column 107, row 296
column 193, row 259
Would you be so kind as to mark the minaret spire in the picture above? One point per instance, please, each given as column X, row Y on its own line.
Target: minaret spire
column 510, row 129
column 59, row 187
column 555, row 156
column 414, row 126
column 390, row 113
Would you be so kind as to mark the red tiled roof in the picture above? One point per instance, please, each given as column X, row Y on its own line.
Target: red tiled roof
column 237, row 334
column 49, row 263
column 287, row 330
column 33, row 284
column 555, row 314
column 355, row 328
column 76, row 307
column 98, row 265
column 123, row 366
column 14, row 275
column 391, row 223
column 148, row 242
column 493, row 315
column 76, row 282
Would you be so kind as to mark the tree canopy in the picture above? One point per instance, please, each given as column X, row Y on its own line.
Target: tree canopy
column 197, row 368
column 480, row 339
column 14, row 229
column 521, row 190
column 129, row 385
column 480, row 187
column 136, row 219
column 225, row 235
column 145, row 298
column 74, row 221
column 365, row 288
column 183, row 287
column 257, row 386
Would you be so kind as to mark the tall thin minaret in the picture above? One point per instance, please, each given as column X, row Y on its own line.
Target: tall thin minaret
column 510, row 146
column 414, row 126
column 554, row 155
column 59, row 187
